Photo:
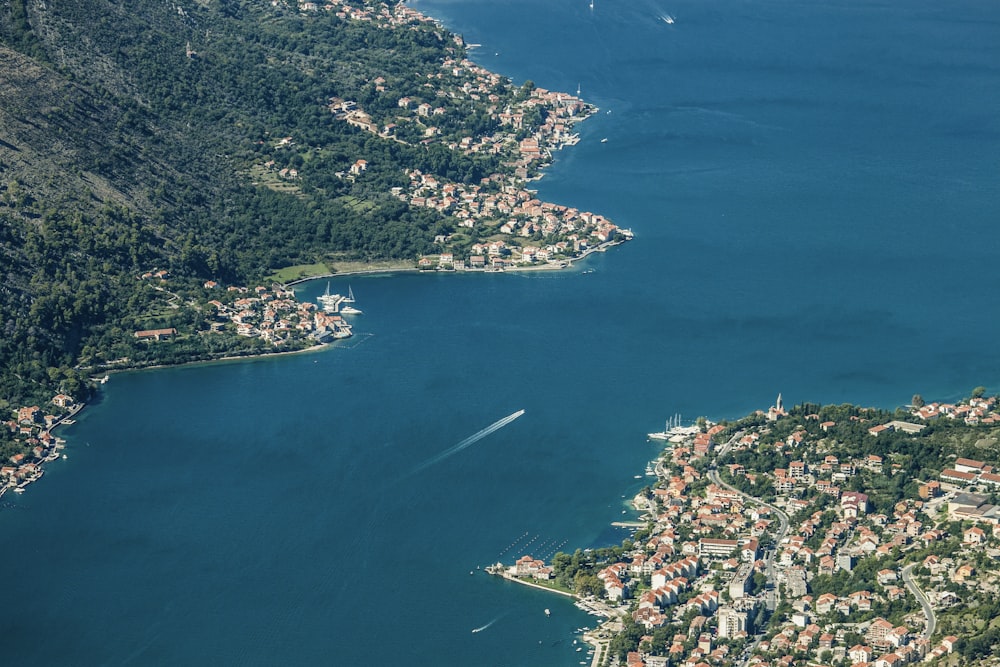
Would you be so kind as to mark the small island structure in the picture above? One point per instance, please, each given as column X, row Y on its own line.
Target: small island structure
column 812, row 535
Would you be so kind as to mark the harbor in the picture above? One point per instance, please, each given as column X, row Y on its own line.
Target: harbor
column 25, row 470
column 673, row 430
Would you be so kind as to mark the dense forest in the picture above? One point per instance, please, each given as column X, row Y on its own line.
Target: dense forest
column 132, row 137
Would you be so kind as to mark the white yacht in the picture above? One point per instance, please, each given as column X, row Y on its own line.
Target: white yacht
column 349, row 299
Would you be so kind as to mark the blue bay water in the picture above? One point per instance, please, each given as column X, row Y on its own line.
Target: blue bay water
column 813, row 188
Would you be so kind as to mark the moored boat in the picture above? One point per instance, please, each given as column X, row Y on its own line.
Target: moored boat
column 330, row 302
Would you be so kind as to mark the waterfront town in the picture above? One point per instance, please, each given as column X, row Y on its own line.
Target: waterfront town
column 784, row 539
column 272, row 315
column 32, row 425
column 269, row 319
column 521, row 126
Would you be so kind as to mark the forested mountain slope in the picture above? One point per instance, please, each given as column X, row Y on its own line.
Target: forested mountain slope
column 141, row 134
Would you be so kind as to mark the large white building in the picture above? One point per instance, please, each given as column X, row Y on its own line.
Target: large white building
column 731, row 622
column 715, row 548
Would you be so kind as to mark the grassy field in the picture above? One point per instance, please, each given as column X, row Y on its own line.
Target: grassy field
column 290, row 273
column 270, row 179
column 355, row 204
column 336, row 266
column 348, row 266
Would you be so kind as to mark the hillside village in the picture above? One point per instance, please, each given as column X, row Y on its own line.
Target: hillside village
column 525, row 126
column 840, row 556
column 272, row 315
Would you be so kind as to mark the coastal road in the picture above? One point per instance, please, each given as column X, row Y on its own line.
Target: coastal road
column 922, row 599
column 729, row 444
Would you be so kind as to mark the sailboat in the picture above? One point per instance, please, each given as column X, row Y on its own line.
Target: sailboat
column 663, row 435
column 329, row 301
column 669, row 429
column 591, row 5
column 349, row 299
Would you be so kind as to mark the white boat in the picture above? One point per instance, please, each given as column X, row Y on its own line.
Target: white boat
column 349, row 299
column 670, row 429
column 548, row 613
column 604, row 140
column 660, row 435
column 330, row 302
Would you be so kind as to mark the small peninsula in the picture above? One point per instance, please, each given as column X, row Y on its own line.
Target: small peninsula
column 815, row 535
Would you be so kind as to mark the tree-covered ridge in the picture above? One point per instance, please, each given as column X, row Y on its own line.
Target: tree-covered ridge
column 202, row 137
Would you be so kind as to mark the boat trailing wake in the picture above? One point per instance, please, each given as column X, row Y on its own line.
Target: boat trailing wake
column 471, row 440
column 483, row 627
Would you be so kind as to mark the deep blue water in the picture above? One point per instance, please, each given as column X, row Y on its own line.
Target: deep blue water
column 814, row 190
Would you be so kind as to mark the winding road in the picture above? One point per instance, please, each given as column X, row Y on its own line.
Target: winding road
column 922, row 599
column 774, row 591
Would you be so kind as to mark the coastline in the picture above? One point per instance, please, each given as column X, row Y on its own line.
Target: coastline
column 77, row 408
column 57, row 446
column 319, row 346
column 514, row 230
column 597, row 638
column 237, row 357
column 555, row 265
column 524, row 582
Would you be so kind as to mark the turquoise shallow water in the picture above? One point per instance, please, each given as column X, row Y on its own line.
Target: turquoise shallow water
column 813, row 188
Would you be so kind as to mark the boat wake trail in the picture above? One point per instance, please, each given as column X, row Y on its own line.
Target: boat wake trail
column 471, row 440
column 483, row 627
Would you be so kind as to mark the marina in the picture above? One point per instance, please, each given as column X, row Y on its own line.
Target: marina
column 330, row 302
column 338, row 303
column 673, row 428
